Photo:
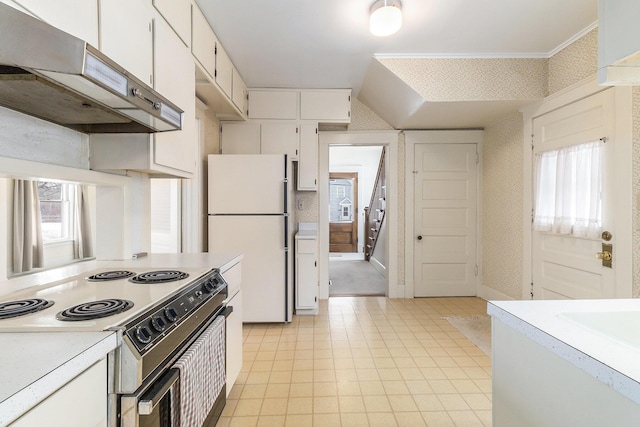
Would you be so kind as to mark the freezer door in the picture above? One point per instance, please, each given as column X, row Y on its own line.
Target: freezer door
column 266, row 289
column 247, row 183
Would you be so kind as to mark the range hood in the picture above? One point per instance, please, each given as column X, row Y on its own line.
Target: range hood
column 52, row 75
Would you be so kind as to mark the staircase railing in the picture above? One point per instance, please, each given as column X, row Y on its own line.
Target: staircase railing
column 375, row 212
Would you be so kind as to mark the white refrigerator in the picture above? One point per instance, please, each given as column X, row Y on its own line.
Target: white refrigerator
column 249, row 198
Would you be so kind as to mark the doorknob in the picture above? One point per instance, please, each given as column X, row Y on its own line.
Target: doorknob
column 606, row 255
column 419, row 237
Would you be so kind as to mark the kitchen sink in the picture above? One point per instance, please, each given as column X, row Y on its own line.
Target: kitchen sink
column 620, row 326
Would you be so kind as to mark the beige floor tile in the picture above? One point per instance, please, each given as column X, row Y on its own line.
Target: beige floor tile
column 395, row 387
column 428, row 402
column 301, row 376
column 282, row 365
column 381, row 419
column 247, row 407
column 410, row 419
column 348, row 388
column 402, row 403
column 389, row 374
column 327, row 389
column 465, row 419
column 376, row 404
column 351, row 404
column 354, row 419
column 271, row 421
column 301, row 390
column 253, row 391
column 243, row 422
column 325, row 405
column 276, row 390
column 295, row 420
column 453, row 402
column 477, row 401
column 280, row 377
column 300, row 405
column 275, row 406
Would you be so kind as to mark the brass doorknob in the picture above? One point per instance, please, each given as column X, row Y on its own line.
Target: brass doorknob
column 605, row 255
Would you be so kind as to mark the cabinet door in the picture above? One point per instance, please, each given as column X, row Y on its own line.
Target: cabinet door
column 234, row 341
column 239, row 97
column 273, row 104
column 306, row 274
column 203, row 44
column 326, row 105
column 175, row 79
column 85, row 397
column 126, row 35
column 308, row 157
column 224, row 70
column 240, row 138
column 279, row 138
column 76, row 17
column 177, row 13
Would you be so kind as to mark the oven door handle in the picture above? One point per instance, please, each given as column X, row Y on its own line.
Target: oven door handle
column 154, row 395
column 227, row 311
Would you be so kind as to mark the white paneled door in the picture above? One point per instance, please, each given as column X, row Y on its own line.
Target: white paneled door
column 565, row 266
column 445, row 219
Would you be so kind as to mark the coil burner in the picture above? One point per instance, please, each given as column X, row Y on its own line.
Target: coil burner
column 94, row 309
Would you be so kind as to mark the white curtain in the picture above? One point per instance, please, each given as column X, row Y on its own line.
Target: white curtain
column 27, row 229
column 568, row 190
column 82, row 245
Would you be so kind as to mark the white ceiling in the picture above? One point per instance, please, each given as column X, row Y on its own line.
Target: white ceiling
column 327, row 44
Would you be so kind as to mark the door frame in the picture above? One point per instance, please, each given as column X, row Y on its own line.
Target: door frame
column 356, row 207
column 623, row 131
column 389, row 139
column 436, row 137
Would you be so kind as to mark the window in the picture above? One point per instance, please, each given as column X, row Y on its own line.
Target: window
column 55, row 210
column 568, row 190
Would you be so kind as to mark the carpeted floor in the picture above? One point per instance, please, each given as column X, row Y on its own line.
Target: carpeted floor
column 353, row 278
column 476, row 328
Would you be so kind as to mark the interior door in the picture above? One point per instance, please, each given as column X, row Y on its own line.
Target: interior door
column 343, row 215
column 445, row 194
column 564, row 266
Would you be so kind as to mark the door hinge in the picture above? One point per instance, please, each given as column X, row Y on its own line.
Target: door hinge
column 533, row 215
column 477, row 158
column 531, row 290
column 315, row 263
column 215, row 49
column 532, row 136
column 215, row 73
column 315, row 299
column 296, row 129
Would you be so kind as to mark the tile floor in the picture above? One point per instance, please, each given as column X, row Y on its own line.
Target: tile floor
column 364, row 361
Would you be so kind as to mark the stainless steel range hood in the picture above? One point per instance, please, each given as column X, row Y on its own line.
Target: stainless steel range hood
column 52, row 75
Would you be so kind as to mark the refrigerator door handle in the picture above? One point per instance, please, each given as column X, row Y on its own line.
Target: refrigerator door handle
column 286, row 231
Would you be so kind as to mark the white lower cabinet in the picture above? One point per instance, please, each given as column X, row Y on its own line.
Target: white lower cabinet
column 234, row 340
column 233, row 277
column 80, row 402
column 306, row 276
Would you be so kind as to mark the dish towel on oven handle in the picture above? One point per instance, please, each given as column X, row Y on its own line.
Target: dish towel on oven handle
column 202, row 376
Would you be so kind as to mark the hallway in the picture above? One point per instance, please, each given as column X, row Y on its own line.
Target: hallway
column 350, row 275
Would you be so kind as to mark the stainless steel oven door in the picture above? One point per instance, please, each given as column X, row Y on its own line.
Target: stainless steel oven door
column 151, row 407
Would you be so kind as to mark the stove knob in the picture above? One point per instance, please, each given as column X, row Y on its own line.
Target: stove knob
column 158, row 324
column 143, row 334
column 209, row 286
column 171, row 314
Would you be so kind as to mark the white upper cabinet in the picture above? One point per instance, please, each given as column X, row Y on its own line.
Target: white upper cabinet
column 203, row 45
column 327, row 105
column 175, row 79
column 239, row 92
column 308, row 158
column 280, row 138
column 126, row 35
column 82, row 22
column 618, row 42
column 240, row 138
column 224, row 70
column 163, row 154
column 178, row 14
column 273, row 104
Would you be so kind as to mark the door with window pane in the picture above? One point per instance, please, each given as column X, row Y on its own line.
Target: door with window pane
column 564, row 266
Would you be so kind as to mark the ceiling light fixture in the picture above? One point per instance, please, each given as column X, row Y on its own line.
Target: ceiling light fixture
column 386, row 17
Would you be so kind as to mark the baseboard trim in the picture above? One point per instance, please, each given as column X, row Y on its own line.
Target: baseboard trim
column 378, row 266
column 488, row 294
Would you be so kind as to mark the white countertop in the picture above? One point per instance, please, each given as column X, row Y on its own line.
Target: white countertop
column 608, row 360
column 34, row 365
column 307, row 231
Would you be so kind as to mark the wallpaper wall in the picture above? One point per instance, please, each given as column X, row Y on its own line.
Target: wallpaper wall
column 636, row 192
column 575, row 62
column 472, row 79
column 502, row 187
